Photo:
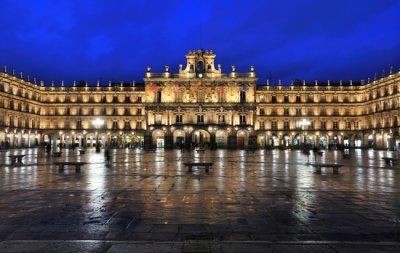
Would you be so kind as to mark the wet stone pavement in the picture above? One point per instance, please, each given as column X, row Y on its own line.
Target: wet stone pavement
column 266, row 201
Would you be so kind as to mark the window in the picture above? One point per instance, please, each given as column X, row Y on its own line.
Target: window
column 286, row 99
column 139, row 99
column 298, row 99
column 158, row 99
column 348, row 125
column 242, row 96
column 200, row 118
column 242, row 119
column 158, row 119
column 115, row 125
column 273, row 125
column 323, row 125
column 286, row 111
column 335, row 125
column 298, row 111
column 262, row 125
column 79, row 124
column 286, row 125
column 356, row 125
column 221, row 119
column 139, row 111
column 273, row 99
column 310, row 99
column 178, row 119
column 139, row 125
column 262, row 112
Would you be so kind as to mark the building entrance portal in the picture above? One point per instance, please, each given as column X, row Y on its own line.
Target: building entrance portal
column 201, row 138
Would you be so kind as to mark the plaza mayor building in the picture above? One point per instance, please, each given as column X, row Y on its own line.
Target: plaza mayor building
column 200, row 106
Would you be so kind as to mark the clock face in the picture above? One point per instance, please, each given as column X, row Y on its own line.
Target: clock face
column 200, row 75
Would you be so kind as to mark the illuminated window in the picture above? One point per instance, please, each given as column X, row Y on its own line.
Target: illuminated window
column 335, row 125
column 262, row 125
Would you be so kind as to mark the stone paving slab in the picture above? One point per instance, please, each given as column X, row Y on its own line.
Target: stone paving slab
column 194, row 246
column 257, row 198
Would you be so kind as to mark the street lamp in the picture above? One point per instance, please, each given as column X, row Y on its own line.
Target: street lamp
column 97, row 123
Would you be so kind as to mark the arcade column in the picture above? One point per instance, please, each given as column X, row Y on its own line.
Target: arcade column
column 232, row 141
column 147, row 141
column 213, row 141
column 168, row 140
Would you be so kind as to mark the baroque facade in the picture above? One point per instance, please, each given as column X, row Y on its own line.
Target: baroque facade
column 200, row 105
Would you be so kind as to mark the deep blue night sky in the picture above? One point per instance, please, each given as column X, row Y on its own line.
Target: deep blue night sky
column 115, row 40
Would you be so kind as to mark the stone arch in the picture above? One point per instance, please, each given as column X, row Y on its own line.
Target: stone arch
column 357, row 142
column 286, row 140
column 158, row 138
column 274, row 140
column 323, row 141
column 221, row 138
column 179, row 138
column 262, row 140
column 201, row 138
column 346, row 141
column 242, row 138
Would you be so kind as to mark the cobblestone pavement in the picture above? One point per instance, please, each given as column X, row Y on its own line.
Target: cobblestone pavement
column 266, row 201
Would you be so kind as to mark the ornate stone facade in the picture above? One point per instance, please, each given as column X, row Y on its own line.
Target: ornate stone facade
column 200, row 105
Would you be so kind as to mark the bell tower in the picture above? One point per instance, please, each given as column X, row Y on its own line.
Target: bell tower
column 200, row 64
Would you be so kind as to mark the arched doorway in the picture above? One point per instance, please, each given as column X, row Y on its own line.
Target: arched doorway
column 221, row 138
column 323, row 142
column 201, row 138
column 346, row 141
column 179, row 138
column 357, row 141
column 286, row 140
column 262, row 140
column 242, row 138
column 370, row 141
column 274, row 140
column 296, row 140
column 158, row 138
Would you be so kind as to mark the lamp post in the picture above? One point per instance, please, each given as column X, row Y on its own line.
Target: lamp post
column 97, row 123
